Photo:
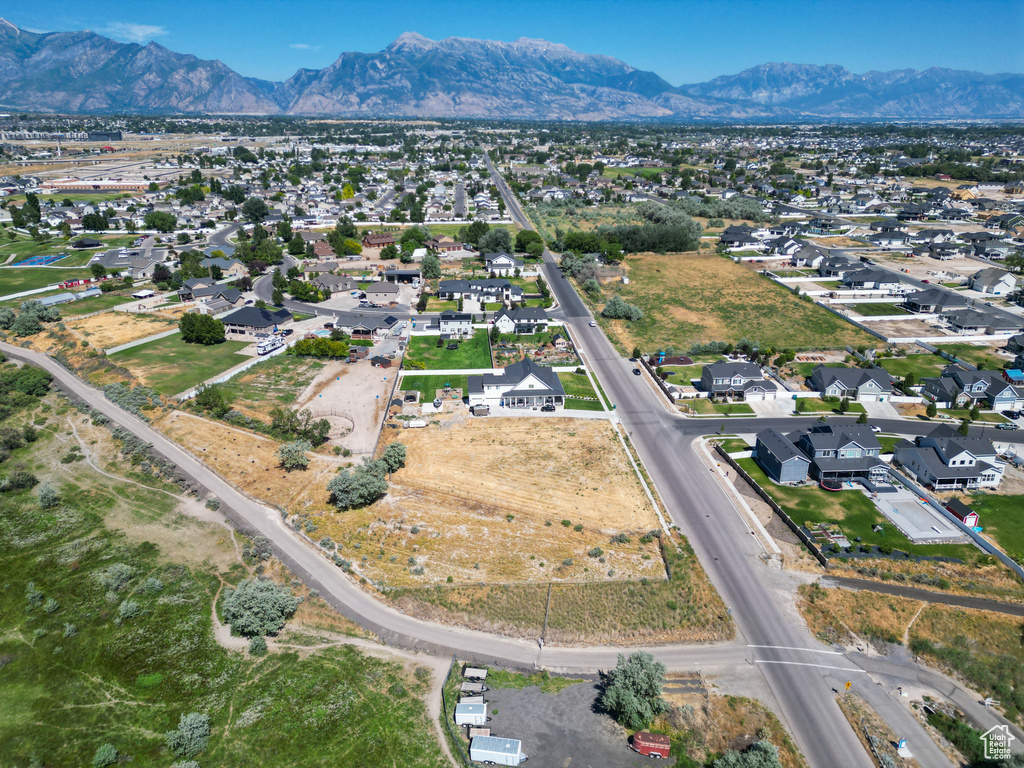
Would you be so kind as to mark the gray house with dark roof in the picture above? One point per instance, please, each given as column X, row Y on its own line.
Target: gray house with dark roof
column 779, row 458
column 866, row 385
column 738, row 381
column 527, row 320
column 245, row 323
column 946, row 460
column 932, row 300
column 520, row 385
column 833, row 454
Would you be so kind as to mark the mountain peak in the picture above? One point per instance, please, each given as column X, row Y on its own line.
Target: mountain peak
column 410, row 41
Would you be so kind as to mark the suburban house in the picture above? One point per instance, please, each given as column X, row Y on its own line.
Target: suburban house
column 411, row 277
column 830, row 454
column 837, row 266
column 946, row 460
column 526, row 320
column 443, row 244
column 974, row 321
column 520, row 385
column 866, row 385
column 382, row 293
column 738, row 381
column 871, row 279
column 455, row 323
column 243, row 324
column 377, row 241
column 479, row 290
column 228, row 267
column 959, row 386
column 501, row 264
column 318, row 268
column 933, row 300
column 372, row 327
column 335, row 283
column 1015, row 344
column 997, row 282
column 142, row 269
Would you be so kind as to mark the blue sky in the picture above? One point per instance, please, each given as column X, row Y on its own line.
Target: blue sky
column 684, row 41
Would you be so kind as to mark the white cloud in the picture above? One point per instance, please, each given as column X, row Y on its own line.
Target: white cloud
column 132, row 32
column 304, row 47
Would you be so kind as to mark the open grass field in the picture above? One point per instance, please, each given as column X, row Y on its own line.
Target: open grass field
column 683, row 375
column 684, row 608
column 170, row 366
column 428, row 385
column 472, row 353
column 484, row 500
column 80, row 671
column 435, row 304
column 95, row 304
column 111, row 329
column 1001, row 517
column 688, row 298
column 17, row 279
column 852, row 511
column 919, row 365
column 980, row 356
column 277, row 381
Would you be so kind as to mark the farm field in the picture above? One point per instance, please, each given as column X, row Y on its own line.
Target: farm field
column 95, row 304
column 472, row 353
column 111, row 543
column 462, row 507
column 171, row 366
column 277, row 381
column 689, row 298
column 111, row 329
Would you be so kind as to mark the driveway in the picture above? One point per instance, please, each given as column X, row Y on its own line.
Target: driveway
column 884, row 410
column 779, row 407
column 562, row 729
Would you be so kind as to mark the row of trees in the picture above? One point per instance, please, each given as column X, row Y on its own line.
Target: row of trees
column 29, row 319
column 201, row 329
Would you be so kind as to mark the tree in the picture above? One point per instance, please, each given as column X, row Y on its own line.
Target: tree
column 214, row 399
column 200, row 329
column 430, row 266
column 192, row 735
column 964, row 428
column 94, row 222
column 637, row 352
column 389, row 251
column 632, row 691
column 761, row 754
column 496, row 241
column 394, row 456
column 259, row 607
column 360, row 486
column 931, row 410
column 472, row 233
column 106, row 754
column 7, row 318
column 844, row 405
column 527, row 237
column 295, row 455
column 297, row 246
column 495, row 334
column 98, row 270
column 160, row 221
column 975, row 412
column 617, row 309
column 255, row 210
column 862, row 419
column 277, row 297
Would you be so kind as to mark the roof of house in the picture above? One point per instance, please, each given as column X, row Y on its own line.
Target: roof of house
column 456, row 317
column 257, row 317
column 388, row 288
column 850, row 378
column 936, row 297
column 780, row 446
column 515, row 374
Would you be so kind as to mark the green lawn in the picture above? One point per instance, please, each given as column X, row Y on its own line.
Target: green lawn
column 428, row 385
column 683, row 374
column 1001, row 517
column 472, row 353
column 734, row 444
column 815, row 405
column 578, row 386
column 851, row 510
column 804, row 370
column 877, row 310
column 887, row 443
column 435, row 304
column 987, row 417
column 704, row 406
column 18, row 279
column 981, row 357
column 171, row 366
column 920, row 365
column 94, row 304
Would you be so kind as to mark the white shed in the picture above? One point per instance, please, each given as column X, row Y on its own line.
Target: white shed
column 494, row 749
column 470, row 714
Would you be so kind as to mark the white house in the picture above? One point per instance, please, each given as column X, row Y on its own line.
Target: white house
column 455, row 323
column 520, row 385
column 501, row 264
column 997, row 282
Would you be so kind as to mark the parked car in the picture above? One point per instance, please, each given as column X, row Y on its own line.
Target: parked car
column 1007, row 425
column 875, row 428
column 636, row 371
column 548, row 408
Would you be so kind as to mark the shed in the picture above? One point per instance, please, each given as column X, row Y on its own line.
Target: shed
column 962, row 512
column 471, row 714
column 145, row 293
column 494, row 749
column 380, row 362
column 57, row 298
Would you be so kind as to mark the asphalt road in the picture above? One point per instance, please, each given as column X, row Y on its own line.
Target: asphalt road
column 793, row 663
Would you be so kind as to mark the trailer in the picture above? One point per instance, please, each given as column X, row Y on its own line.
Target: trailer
column 481, row 410
column 265, row 346
column 496, row 750
column 651, row 744
column 472, row 699
column 470, row 714
column 474, row 673
column 468, row 687
column 414, row 424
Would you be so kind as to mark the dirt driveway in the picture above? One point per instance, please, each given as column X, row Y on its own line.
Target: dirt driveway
column 353, row 398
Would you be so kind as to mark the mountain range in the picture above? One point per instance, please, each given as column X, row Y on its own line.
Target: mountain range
column 84, row 72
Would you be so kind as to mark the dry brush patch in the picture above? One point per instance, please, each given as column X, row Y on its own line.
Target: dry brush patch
column 111, row 329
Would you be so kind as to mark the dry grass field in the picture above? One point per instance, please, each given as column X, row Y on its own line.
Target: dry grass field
column 111, row 329
column 690, row 297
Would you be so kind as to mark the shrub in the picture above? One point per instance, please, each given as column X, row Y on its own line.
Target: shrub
column 51, row 605
column 33, row 595
column 567, row 523
column 394, row 456
column 257, row 646
column 115, row 576
column 567, row 562
column 70, row 630
column 620, row 538
column 153, row 585
column 595, row 552
column 294, row 455
column 191, row 737
column 632, row 691
column 105, row 755
column 128, row 609
column 359, row 487
column 578, row 527
column 259, row 607
column 48, row 498
column 213, row 503
column 617, row 309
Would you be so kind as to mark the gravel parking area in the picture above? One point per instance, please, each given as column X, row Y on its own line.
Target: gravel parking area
column 559, row 730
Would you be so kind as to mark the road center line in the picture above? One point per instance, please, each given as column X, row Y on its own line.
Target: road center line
column 808, row 664
column 791, row 648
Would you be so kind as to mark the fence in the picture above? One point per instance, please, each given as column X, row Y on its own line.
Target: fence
column 449, row 718
column 796, row 529
column 661, row 384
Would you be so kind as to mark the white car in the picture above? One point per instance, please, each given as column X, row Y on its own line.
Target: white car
column 593, row 323
column 875, row 428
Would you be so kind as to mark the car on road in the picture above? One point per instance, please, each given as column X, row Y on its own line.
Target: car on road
column 548, row 408
column 1007, row 425
column 875, row 428
column 593, row 323
column 636, row 371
